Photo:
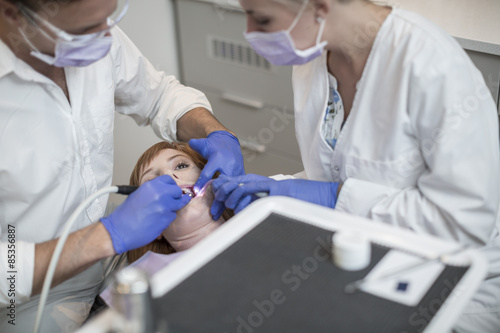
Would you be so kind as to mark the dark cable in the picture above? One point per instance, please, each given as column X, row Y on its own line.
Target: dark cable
column 126, row 190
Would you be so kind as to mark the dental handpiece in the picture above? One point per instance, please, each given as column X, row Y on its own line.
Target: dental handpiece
column 126, row 189
column 258, row 194
column 186, row 189
column 193, row 191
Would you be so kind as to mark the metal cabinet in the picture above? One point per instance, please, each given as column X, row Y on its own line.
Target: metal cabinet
column 248, row 95
column 489, row 65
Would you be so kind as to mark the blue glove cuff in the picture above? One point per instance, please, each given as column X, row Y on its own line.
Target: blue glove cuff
column 225, row 133
column 116, row 239
column 335, row 188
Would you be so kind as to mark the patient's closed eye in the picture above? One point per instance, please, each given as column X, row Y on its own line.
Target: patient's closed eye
column 264, row 21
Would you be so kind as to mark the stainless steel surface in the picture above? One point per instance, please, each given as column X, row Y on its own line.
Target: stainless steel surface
column 131, row 296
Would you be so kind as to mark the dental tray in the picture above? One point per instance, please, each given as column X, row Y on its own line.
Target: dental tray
column 269, row 270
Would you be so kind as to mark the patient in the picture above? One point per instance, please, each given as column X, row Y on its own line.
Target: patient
column 194, row 221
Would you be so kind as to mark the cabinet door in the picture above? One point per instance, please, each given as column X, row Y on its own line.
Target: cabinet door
column 489, row 65
column 267, row 135
column 214, row 53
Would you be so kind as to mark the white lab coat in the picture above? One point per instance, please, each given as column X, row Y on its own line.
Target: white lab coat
column 53, row 155
column 420, row 147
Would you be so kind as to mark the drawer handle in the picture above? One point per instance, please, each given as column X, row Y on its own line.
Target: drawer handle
column 229, row 5
column 253, row 146
column 243, row 101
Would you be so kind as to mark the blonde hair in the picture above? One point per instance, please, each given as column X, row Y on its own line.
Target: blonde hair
column 162, row 246
column 298, row 3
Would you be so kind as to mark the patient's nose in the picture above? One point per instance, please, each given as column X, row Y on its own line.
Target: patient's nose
column 173, row 175
column 178, row 180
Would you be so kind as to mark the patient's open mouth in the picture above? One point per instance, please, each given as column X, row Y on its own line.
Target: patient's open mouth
column 189, row 190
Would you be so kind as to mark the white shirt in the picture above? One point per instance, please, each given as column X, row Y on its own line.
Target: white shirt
column 53, row 155
column 420, row 147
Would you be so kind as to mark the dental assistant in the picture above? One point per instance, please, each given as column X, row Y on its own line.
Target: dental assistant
column 394, row 123
column 64, row 69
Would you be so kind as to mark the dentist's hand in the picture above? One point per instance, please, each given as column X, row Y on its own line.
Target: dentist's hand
column 236, row 192
column 145, row 214
column 223, row 152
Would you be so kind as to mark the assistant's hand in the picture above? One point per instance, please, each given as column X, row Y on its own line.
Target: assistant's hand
column 145, row 214
column 236, row 192
column 223, row 152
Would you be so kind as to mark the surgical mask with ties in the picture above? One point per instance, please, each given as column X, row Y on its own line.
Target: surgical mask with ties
column 72, row 50
column 279, row 48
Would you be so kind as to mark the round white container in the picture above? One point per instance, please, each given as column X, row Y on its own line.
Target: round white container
column 351, row 250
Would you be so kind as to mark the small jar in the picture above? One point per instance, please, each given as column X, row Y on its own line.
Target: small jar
column 351, row 250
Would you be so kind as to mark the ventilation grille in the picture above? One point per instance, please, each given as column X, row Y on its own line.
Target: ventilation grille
column 236, row 53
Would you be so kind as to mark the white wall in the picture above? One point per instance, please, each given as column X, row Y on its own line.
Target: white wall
column 150, row 25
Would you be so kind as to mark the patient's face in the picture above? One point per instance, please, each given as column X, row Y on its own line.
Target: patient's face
column 194, row 221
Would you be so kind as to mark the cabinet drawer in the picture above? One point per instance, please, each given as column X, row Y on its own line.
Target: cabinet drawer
column 263, row 129
column 267, row 135
column 214, row 53
column 269, row 164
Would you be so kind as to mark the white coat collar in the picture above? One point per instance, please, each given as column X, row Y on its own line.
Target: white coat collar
column 9, row 63
column 7, row 59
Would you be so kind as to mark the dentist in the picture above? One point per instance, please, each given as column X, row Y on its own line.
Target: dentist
column 393, row 121
column 64, row 69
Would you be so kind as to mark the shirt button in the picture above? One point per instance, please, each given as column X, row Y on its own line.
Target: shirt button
column 336, row 168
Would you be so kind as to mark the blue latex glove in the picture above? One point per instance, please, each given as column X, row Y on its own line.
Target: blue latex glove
column 237, row 192
column 145, row 214
column 223, row 152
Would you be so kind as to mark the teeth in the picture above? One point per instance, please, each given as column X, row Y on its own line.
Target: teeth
column 189, row 191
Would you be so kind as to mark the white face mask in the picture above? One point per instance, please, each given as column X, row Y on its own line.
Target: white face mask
column 73, row 50
column 74, row 54
column 279, row 48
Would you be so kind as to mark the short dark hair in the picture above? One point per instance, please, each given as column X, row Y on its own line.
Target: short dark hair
column 38, row 4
